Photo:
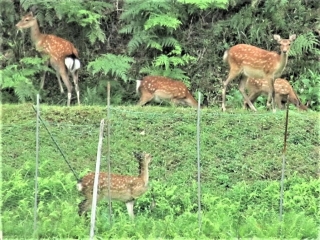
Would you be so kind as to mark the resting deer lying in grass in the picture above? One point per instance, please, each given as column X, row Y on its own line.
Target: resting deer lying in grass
column 255, row 62
column 63, row 56
column 163, row 88
column 122, row 188
column 282, row 88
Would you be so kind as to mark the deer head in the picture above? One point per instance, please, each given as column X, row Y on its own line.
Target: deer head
column 255, row 62
column 122, row 187
column 163, row 88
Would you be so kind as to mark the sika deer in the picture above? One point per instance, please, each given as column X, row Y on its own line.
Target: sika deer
column 63, row 56
column 158, row 87
column 255, row 62
column 122, row 188
column 282, row 88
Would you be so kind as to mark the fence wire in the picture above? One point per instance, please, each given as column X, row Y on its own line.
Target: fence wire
column 231, row 146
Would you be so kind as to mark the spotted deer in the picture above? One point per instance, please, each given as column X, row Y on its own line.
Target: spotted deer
column 62, row 55
column 254, row 62
column 282, row 88
column 163, row 88
column 122, row 188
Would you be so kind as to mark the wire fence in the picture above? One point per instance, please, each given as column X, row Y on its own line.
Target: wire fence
column 230, row 146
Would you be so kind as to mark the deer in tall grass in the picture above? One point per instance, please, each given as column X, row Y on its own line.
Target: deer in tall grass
column 62, row 55
column 163, row 88
column 282, row 88
column 122, row 187
column 254, row 62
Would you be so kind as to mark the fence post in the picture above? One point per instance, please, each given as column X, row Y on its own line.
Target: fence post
column 108, row 152
column 96, row 181
column 198, row 160
column 35, row 230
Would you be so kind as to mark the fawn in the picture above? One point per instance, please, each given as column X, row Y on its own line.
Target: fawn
column 163, row 88
column 63, row 56
column 122, row 188
column 255, row 62
column 282, row 88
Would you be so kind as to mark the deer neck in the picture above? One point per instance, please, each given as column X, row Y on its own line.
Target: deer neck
column 282, row 63
column 144, row 173
column 36, row 35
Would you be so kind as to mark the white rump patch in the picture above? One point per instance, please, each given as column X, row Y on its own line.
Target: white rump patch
column 72, row 64
column 138, row 85
column 79, row 186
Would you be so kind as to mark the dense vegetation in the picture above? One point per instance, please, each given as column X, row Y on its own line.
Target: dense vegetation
column 124, row 40
column 240, row 151
column 241, row 155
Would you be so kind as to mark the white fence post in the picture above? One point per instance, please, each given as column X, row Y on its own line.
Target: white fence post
column 96, row 181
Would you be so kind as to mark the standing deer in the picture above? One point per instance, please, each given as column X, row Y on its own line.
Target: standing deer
column 255, row 62
column 63, row 56
column 122, row 188
column 163, row 88
column 282, row 88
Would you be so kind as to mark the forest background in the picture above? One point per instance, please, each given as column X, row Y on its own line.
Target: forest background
column 121, row 41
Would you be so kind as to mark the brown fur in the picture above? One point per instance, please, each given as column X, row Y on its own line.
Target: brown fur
column 255, row 62
column 122, row 187
column 282, row 87
column 57, row 49
column 163, row 88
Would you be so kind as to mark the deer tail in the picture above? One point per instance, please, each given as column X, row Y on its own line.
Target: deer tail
column 225, row 55
column 72, row 63
column 138, row 86
column 79, row 185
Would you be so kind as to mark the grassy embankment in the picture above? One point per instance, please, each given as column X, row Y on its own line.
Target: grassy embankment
column 241, row 155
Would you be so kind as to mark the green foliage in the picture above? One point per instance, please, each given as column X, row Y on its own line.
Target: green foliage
column 156, row 29
column 20, row 77
column 305, row 44
column 205, row 4
column 308, row 89
column 244, row 174
column 110, row 64
column 82, row 13
column 183, row 39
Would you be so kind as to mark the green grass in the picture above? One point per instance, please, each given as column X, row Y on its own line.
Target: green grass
column 240, row 152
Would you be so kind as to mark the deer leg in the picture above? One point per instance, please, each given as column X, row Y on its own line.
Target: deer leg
column 83, row 207
column 145, row 97
column 75, row 80
column 130, row 208
column 252, row 97
column 278, row 101
column 271, row 94
column 44, row 75
column 65, row 78
column 243, row 92
column 232, row 74
column 60, row 83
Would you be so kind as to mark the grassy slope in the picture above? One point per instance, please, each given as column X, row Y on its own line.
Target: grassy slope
column 235, row 147
column 242, row 146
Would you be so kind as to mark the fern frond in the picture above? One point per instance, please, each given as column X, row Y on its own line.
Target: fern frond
column 110, row 64
column 25, row 91
column 137, row 40
column 162, row 60
column 175, row 73
column 304, row 43
column 205, row 4
column 163, row 20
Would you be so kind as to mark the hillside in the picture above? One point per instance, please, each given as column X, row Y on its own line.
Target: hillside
column 241, row 147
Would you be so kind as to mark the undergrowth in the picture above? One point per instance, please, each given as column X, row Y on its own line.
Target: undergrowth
column 240, row 153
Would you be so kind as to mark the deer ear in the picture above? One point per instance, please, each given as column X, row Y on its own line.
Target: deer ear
column 276, row 37
column 292, row 37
